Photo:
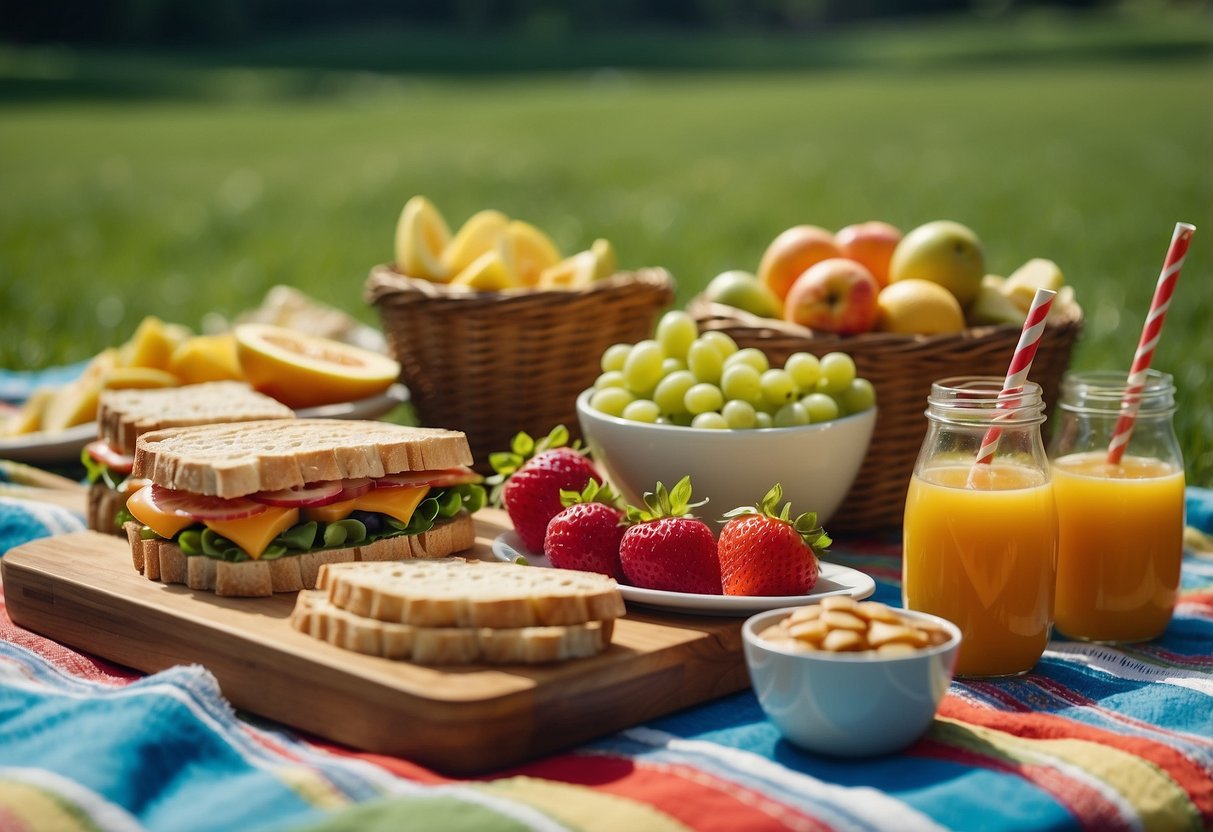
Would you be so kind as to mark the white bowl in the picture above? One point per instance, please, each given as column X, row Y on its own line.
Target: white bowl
column 848, row 704
column 815, row 464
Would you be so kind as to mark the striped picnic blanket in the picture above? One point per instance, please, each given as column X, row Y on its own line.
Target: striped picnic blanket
column 1095, row 738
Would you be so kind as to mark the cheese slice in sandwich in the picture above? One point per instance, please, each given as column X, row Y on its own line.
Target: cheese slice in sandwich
column 123, row 415
column 246, row 494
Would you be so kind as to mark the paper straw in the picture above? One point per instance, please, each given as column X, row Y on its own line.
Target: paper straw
column 1017, row 373
column 1150, row 333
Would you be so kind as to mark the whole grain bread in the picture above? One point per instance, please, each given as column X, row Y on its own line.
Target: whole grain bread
column 162, row 560
column 124, row 415
column 456, row 593
column 317, row 616
column 231, row 460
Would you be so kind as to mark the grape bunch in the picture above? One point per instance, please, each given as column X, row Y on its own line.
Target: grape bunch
column 683, row 377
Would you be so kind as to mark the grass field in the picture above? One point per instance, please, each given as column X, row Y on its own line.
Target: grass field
column 136, row 185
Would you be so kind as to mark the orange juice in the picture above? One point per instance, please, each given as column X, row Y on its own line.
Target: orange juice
column 1120, row 544
column 984, row 557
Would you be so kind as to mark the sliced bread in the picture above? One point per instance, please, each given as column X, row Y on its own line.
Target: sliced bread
column 317, row 616
column 450, row 592
column 232, row 460
column 124, row 415
column 162, row 560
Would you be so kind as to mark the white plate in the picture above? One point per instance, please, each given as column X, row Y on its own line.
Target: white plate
column 64, row 446
column 834, row 579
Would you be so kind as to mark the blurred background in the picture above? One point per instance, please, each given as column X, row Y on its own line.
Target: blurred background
column 179, row 159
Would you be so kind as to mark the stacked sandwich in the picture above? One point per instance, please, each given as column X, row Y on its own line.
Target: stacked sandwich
column 124, row 415
column 253, row 508
column 453, row 611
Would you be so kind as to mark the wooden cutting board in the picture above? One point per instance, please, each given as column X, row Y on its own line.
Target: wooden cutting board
column 82, row 590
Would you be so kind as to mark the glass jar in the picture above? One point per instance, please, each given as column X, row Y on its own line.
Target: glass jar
column 980, row 538
column 1120, row 541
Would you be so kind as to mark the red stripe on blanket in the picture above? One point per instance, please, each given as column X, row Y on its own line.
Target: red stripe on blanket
column 64, row 658
column 1089, row 808
column 1188, row 775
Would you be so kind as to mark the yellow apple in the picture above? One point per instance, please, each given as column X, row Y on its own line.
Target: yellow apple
column 914, row 306
column 943, row 252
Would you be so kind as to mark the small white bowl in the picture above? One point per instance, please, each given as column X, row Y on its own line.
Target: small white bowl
column 848, row 704
column 815, row 464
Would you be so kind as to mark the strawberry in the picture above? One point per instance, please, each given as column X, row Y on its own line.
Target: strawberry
column 667, row 549
column 530, row 477
column 764, row 552
column 586, row 534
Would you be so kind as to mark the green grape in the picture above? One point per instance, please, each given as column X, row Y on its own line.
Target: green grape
column 763, row 420
column 741, row 381
column 611, row 378
column 705, row 361
column 614, row 356
column 671, row 390
column 805, row 370
column 702, row 398
column 778, row 388
column 739, row 414
column 611, row 400
column 642, row 410
column 820, row 407
column 791, row 415
column 710, row 420
column 675, row 332
column 672, row 365
column 837, row 372
column 859, row 396
column 751, row 357
column 642, row 370
column 725, row 345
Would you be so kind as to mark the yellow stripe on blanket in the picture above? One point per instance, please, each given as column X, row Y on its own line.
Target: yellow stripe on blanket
column 582, row 808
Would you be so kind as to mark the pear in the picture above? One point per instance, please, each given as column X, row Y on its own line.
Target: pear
column 992, row 306
column 1037, row 273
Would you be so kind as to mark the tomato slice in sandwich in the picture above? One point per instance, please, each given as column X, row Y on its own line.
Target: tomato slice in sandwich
column 444, row 478
column 105, row 453
column 201, row 507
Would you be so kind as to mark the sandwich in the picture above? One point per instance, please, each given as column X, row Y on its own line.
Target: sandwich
column 123, row 415
column 253, row 508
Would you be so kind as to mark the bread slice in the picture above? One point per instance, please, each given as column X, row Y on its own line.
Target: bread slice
column 104, row 503
column 456, row 593
column 124, row 415
column 317, row 616
column 162, row 560
column 236, row 459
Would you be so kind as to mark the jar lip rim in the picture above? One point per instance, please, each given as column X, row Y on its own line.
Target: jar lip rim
column 1104, row 381
column 982, row 392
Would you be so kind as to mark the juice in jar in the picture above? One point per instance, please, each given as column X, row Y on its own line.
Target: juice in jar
column 1120, row 545
column 984, row 556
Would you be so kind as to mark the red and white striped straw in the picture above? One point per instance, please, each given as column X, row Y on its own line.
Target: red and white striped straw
column 1136, row 382
column 1017, row 373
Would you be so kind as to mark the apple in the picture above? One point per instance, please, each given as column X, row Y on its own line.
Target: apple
column 791, row 253
column 913, row 306
column 942, row 252
column 836, row 295
column 744, row 291
column 872, row 244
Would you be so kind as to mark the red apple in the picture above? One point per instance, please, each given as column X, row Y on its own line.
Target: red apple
column 871, row 244
column 836, row 295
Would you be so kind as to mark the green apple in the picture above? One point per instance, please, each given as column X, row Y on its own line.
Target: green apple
column 742, row 290
column 942, row 252
column 992, row 306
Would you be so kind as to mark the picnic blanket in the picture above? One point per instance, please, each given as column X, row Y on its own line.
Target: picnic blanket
column 1095, row 738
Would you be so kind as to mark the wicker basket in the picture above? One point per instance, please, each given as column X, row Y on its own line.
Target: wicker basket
column 494, row 363
column 902, row 368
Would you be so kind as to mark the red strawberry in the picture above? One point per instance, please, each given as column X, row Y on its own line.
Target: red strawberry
column 764, row 552
column 666, row 549
column 532, row 484
column 586, row 534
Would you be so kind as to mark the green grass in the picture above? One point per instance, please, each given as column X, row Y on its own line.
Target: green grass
column 152, row 185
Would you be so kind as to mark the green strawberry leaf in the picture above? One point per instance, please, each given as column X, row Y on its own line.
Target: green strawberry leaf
column 664, row 503
column 522, row 449
column 592, row 493
column 806, row 524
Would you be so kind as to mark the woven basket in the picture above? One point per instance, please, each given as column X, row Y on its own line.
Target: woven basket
column 494, row 363
column 901, row 368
